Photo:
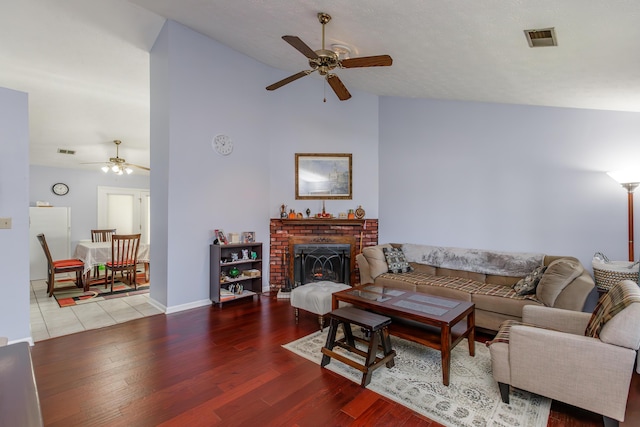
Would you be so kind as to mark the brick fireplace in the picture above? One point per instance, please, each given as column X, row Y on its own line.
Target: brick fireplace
column 287, row 233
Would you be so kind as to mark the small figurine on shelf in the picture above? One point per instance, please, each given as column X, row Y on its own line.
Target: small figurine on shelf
column 308, row 212
column 283, row 211
column 234, row 272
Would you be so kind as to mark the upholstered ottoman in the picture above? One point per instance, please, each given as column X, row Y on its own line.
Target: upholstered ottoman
column 315, row 297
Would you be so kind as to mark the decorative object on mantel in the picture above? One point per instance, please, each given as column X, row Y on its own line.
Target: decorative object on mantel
column 351, row 214
column 283, row 211
column 308, row 212
column 323, row 176
column 359, row 212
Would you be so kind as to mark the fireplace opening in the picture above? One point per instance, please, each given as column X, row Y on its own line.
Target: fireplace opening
column 321, row 262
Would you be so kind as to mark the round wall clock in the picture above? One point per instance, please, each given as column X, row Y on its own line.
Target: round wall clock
column 60, row 189
column 222, row 144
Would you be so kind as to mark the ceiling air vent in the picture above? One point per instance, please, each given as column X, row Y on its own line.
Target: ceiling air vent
column 65, row 151
column 543, row 37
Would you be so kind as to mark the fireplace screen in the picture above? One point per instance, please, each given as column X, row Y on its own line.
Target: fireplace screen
column 318, row 262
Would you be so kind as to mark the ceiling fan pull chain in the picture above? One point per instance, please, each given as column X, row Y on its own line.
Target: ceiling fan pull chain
column 324, row 89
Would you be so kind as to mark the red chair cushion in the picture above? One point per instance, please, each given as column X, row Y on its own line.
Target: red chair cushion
column 67, row 263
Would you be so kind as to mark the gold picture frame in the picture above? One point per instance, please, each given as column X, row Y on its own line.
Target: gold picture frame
column 323, row 176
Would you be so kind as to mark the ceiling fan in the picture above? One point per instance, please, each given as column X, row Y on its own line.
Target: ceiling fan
column 324, row 61
column 117, row 164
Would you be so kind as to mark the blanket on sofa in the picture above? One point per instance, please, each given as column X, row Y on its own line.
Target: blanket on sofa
column 516, row 264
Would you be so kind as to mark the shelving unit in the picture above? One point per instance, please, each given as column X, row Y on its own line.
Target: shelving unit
column 221, row 263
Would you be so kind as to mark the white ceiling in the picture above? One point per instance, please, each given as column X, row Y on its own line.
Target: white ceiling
column 85, row 63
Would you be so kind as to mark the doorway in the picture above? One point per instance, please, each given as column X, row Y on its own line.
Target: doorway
column 125, row 209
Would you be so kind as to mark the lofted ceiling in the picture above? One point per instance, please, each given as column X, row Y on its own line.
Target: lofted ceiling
column 85, row 63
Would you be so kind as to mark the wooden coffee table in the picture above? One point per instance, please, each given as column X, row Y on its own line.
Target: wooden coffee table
column 433, row 321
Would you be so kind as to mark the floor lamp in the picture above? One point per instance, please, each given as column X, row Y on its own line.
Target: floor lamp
column 630, row 181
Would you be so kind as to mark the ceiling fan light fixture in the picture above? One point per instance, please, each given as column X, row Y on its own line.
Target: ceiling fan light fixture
column 343, row 51
column 115, row 168
column 128, row 170
column 105, row 168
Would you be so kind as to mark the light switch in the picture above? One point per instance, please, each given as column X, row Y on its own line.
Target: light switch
column 5, row 223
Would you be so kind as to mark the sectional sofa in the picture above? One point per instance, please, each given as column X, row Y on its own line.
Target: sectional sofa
column 483, row 277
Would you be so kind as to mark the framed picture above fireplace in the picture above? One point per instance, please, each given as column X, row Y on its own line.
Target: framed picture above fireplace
column 323, row 176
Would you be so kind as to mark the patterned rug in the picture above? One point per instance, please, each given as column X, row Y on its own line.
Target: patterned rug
column 472, row 398
column 70, row 295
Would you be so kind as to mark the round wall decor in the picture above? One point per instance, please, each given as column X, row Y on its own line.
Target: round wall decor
column 60, row 189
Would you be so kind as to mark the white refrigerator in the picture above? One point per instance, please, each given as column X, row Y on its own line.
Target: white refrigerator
column 55, row 223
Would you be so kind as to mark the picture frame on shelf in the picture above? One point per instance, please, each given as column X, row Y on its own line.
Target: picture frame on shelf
column 248, row 237
column 321, row 176
column 220, row 237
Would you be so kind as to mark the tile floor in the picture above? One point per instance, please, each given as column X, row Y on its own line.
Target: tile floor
column 49, row 320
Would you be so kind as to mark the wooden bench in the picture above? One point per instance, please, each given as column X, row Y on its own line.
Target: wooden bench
column 376, row 327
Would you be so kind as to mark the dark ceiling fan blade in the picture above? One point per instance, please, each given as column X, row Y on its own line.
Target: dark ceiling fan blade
column 301, row 46
column 338, row 87
column 289, row 79
column 367, row 61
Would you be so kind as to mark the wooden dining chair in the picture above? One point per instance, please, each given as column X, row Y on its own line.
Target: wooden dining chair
column 60, row 266
column 103, row 235
column 124, row 258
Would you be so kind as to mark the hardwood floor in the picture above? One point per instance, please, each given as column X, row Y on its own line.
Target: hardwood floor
column 212, row 366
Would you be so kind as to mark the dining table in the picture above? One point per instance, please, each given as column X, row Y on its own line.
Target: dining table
column 94, row 254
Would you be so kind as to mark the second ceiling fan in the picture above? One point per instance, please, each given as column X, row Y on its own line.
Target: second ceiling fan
column 324, row 61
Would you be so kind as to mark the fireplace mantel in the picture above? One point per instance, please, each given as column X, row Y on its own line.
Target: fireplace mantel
column 363, row 231
column 323, row 221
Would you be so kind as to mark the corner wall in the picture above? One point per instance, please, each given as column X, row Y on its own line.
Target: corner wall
column 14, row 204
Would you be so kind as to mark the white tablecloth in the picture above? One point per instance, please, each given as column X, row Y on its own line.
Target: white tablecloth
column 97, row 253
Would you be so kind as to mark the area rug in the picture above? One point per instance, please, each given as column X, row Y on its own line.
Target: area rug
column 472, row 398
column 68, row 296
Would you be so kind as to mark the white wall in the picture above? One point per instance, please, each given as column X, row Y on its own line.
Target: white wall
column 14, row 204
column 200, row 89
column 83, row 193
column 505, row 177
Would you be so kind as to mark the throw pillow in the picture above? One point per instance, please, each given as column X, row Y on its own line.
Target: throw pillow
column 376, row 259
column 557, row 276
column 396, row 260
column 619, row 297
column 527, row 285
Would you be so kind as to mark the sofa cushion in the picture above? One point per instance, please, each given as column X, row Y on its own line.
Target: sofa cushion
column 376, row 259
column 527, row 285
column 500, row 299
column 396, row 260
column 557, row 276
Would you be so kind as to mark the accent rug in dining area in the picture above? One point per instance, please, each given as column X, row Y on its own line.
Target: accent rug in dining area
column 472, row 398
column 70, row 295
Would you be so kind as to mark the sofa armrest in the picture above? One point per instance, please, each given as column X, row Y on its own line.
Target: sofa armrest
column 363, row 267
column 581, row 371
column 573, row 322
